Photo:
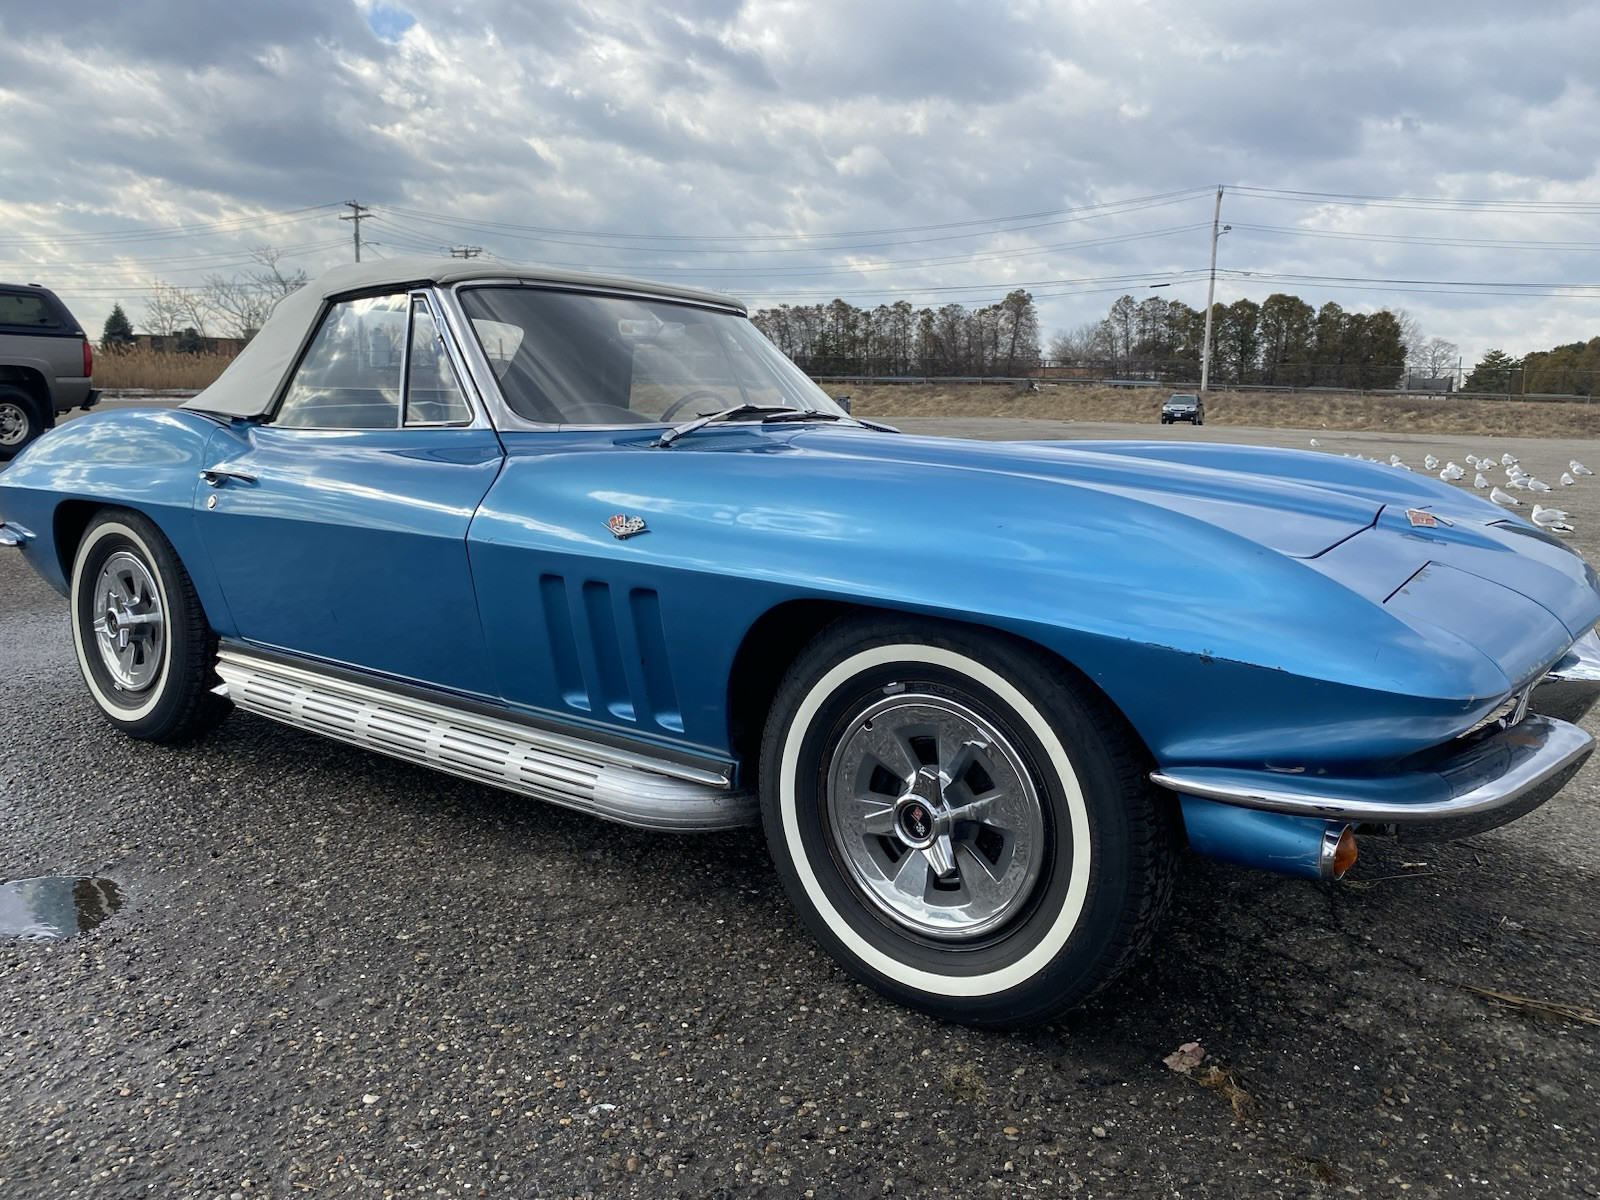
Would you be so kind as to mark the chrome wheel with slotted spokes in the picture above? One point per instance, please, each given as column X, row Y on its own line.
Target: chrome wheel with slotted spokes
column 934, row 815
column 15, row 424
column 130, row 624
column 141, row 636
column 960, row 819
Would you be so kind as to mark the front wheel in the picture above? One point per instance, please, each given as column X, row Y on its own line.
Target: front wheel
column 143, row 643
column 962, row 823
column 19, row 421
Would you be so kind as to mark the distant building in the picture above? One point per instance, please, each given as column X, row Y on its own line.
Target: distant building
column 186, row 343
column 1430, row 383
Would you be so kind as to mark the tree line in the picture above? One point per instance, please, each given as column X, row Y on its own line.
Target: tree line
column 897, row 340
column 1280, row 341
column 1570, row 370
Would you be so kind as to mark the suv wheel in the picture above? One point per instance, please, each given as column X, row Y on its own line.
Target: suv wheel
column 19, row 420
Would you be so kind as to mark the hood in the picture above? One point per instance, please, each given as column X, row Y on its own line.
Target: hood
column 1476, row 586
column 1297, row 516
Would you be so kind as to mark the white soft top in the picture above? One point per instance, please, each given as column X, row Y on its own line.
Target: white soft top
column 247, row 387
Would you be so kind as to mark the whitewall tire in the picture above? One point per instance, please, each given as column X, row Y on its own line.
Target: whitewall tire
column 961, row 820
column 143, row 644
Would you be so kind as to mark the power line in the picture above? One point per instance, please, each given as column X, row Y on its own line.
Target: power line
column 490, row 229
column 1163, row 197
column 1576, row 207
column 163, row 232
column 1238, row 273
column 1418, row 240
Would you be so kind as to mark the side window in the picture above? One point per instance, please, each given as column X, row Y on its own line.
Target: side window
column 350, row 377
column 26, row 310
column 433, row 393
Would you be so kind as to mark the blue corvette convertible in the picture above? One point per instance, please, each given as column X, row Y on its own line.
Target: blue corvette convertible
column 596, row 541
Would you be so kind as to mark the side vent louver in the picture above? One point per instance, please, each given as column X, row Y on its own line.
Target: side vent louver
column 610, row 651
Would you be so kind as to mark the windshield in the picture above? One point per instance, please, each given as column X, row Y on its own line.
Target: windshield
column 573, row 358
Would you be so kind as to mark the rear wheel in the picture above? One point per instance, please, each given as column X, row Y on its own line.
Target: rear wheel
column 20, row 421
column 964, row 825
column 143, row 643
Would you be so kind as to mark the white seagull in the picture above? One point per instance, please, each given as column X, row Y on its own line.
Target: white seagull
column 1452, row 472
column 1538, row 485
column 1480, row 482
column 1508, row 459
column 1430, row 462
column 1566, row 480
column 1315, row 443
column 1504, row 499
column 1578, row 468
column 1551, row 518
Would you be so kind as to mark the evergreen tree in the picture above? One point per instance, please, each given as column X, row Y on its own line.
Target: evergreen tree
column 118, row 331
column 1492, row 374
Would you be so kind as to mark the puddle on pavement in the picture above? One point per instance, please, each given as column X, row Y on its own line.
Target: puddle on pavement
column 56, row 906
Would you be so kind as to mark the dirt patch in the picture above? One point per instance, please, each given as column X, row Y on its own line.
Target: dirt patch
column 1383, row 412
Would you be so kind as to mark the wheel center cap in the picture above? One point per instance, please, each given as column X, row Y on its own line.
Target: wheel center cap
column 916, row 823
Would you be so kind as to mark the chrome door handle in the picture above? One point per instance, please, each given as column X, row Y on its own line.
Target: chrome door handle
column 217, row 476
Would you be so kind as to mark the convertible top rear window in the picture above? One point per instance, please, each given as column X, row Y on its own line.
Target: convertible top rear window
column 583, row 358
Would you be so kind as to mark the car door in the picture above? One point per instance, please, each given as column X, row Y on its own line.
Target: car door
column 337, row 528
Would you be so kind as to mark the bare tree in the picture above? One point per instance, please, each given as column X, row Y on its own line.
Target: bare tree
column 272, row 279
column 240, row 303
column 1411, row 338
column 1436, row 358
column 1090, row 341
column 169, row 307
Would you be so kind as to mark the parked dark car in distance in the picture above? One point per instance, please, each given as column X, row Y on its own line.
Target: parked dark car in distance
column 1183, row 406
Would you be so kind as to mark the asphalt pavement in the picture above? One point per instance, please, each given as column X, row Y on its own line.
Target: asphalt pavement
column 333, row 974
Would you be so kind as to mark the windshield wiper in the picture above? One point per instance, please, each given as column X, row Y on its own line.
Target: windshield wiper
column 738, row 410
column 802, row 414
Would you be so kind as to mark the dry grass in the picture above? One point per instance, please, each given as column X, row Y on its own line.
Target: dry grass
column 143, row 368
column 1386, row 412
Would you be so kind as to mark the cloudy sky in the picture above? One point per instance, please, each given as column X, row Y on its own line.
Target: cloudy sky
column 1435, row 155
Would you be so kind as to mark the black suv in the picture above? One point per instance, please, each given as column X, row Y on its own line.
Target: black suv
column 1183, row 406
column 46, row 364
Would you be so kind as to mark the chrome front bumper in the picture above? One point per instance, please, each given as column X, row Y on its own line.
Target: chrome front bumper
column 1496, row 780
column 14, row 535
column 1492, row 781
column 1570, row 688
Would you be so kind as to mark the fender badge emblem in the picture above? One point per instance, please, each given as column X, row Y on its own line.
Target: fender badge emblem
column 623, row 526
column 1428, row 520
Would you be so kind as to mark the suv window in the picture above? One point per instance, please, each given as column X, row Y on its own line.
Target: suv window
column 27, row 309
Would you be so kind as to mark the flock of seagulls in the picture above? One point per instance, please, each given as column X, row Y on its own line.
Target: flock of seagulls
column 1516, row 480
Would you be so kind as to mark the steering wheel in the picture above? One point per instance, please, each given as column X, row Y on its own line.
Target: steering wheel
column 686, row 398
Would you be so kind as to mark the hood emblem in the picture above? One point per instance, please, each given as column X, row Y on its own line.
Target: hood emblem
column 1427, row 520
column 624, row 526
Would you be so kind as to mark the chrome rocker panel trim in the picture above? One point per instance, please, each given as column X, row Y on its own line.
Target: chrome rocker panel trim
column 1569, row 689
column 627, row 788
column 1494, row 781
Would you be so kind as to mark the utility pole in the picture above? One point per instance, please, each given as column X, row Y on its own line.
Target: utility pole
column 360, row 212
column 1211, row 290
column 465, row 251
